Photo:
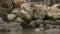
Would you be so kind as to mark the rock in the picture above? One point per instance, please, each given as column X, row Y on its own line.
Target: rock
column 37, row 30
column 19, row 20
column 25, row 15
column 56, row 6
column 15, row 11
column 32, row 24
column 9, row 26
column 22, row 13
column 57, row 22
column 36, row 23
column 25, row 6
column 57, row 26
column 53, row 31
column 40, row 21
column 40, row 11
column 41, row 6
column 41, row 27
column 50, row 22
column 18, row 1
column 1, row 20
column 54, row 13
column 11, row 17
column 13, row 26
column 4, row 30
column 51, row 26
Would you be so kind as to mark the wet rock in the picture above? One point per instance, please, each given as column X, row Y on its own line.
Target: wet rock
column 4, row 30
column 49, row 21
column 36, row 23
column 47, row 26
column 1, row 21
column 50, row 26
column 53, row 31
column 32, row 24
column 37, row 30
column 13, row 26
column 11, row 17
column 9, row 26
column 57, row 26
column 57, row 22
column 40, row 21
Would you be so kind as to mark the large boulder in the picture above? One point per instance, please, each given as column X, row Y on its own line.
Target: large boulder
column 27, row 6
column 40, row 12
column 22, row 13
column 53, row 12
column 25, row 14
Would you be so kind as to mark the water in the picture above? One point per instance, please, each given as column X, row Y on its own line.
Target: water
column 33, row 31
column 24, row 31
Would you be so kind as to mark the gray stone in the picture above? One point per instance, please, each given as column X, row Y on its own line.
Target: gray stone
column 9, row 26
column 26, row 6
column 11, row 17
column 56, row 6
column 54, row 13
column 53, row 31
column 57, row 22
column 40, row 21
column 15, row 11
column 36, row 23
column 19, row 20
column 22, row 13
column 1, row 20
column 49, row 22
column 40, row 11
column 25, row 14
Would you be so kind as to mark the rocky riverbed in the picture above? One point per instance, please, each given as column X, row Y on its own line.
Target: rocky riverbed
column 30, row 17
